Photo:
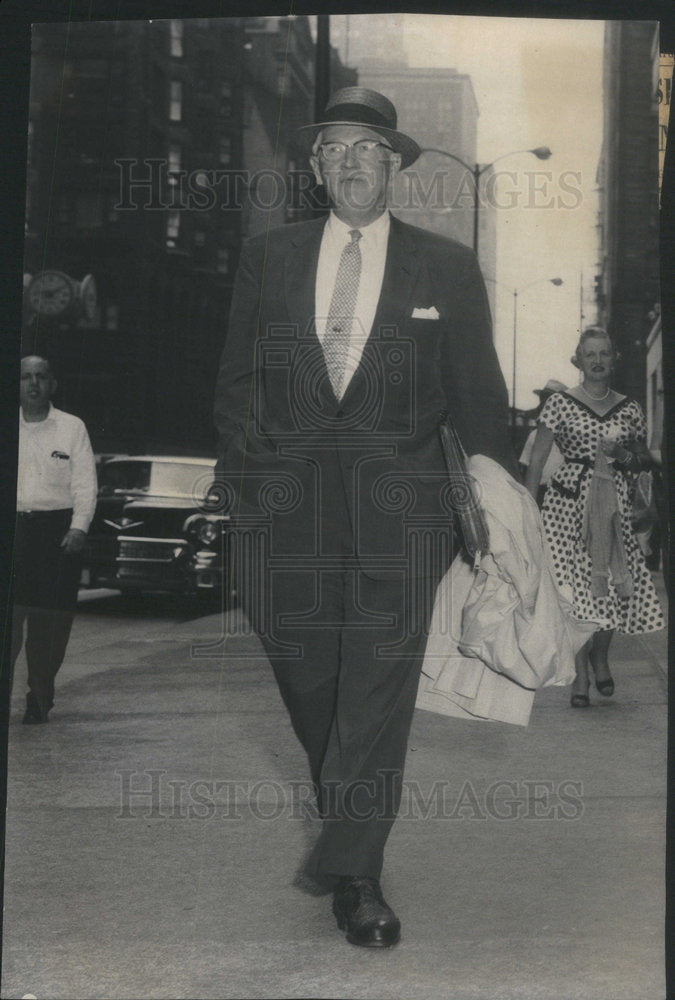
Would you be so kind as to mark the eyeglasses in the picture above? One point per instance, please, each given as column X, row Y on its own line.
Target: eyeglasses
column 364, row 149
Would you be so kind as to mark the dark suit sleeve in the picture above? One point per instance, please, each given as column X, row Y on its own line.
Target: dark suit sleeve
column 234, row 386
column 474, row 384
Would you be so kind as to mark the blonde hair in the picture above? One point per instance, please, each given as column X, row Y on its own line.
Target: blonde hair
column 588, row 334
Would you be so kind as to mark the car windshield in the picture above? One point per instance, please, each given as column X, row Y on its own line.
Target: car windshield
column 183, row 480
column 173, row 479
column 124, row 476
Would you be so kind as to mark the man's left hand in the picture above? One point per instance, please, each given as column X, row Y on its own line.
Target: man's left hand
column 73, row 541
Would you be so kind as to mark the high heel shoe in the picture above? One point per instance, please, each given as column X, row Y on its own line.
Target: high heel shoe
column 580, row 699
column 606, row 687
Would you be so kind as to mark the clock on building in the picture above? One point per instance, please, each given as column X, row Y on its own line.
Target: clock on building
column 51, row 293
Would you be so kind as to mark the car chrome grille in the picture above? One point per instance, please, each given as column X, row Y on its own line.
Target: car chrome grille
column 150, row 549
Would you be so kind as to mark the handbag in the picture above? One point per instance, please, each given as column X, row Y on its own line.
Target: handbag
column 464, row 496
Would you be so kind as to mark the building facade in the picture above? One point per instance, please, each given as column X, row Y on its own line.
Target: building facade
column 278, row 97
column 628, row 283
column 155, row 148
column 130, row 121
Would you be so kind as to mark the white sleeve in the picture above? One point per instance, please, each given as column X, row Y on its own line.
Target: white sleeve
column 83, row 483
column 526, row 453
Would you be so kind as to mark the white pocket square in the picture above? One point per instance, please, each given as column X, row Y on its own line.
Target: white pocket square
column 430, row 313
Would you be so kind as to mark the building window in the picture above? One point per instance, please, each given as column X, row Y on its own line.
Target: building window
column 224, row 261
column 97, row 68
column 112, row 316
column 205, row 70
column 176, row 104
column 225, row 105
column 158, row 86
column 172, row 228
column 174, row 164
column 88, row 214
column 200, row 238
column 176, row 38
column 225, row 149
column 63, row 215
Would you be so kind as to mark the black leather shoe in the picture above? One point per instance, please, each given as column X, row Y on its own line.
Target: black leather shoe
column 33, row 719
column 360, row 910
column 605, row 687
column 33, row 715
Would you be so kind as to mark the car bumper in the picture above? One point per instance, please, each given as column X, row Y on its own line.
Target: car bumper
column 168, row 564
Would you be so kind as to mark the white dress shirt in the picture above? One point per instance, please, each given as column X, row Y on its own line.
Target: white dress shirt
column 57, row 469
column 373, row 247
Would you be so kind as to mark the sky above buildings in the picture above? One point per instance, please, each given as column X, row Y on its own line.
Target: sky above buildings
column 538, row 82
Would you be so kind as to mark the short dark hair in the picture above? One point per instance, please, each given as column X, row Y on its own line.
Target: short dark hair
column 41, row 357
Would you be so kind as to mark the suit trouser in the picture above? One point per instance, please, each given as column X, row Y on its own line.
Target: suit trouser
column 45, row 595
column 348, row 677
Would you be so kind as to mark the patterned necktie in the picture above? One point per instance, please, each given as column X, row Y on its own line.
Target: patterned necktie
column 341, row 311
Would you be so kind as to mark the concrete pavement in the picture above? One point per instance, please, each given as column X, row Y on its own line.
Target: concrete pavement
column 527, row 863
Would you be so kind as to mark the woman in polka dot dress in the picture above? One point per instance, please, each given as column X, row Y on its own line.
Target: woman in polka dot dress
column 583, row 419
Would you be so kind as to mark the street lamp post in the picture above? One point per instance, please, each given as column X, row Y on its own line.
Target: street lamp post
column 541, row 152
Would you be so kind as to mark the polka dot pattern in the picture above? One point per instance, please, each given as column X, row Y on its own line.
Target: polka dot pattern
column 577, row 431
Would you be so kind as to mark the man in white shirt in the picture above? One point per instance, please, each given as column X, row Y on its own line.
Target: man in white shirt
column 56, row 499
column 350, row 340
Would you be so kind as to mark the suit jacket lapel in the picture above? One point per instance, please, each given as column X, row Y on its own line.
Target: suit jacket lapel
column 300, row 277
column 400, row 274
column 300, row 269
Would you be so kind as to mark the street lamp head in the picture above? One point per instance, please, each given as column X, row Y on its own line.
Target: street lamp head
column 541, row 152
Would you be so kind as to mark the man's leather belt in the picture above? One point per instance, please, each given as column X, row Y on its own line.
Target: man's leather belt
column 36, row 514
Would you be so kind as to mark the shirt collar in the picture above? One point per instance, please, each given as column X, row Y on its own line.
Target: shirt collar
column 374, row 234
column 32, row 423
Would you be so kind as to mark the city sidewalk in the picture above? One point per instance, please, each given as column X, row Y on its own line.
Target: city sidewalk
column 527, row 862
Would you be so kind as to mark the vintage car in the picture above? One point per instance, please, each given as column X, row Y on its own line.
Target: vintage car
column 153, row 530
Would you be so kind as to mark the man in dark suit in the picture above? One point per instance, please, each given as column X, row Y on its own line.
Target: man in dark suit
column 350, row 339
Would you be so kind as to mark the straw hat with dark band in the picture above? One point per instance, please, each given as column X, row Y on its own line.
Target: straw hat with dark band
column 551, row 386
column 360, row 106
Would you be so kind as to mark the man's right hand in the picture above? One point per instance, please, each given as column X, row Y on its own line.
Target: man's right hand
column 73, row 542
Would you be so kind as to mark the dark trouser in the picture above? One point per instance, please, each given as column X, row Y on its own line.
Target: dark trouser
column 350, row 691
column 45, row 594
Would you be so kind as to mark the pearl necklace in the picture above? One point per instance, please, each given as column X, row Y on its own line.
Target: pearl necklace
column 596, row 398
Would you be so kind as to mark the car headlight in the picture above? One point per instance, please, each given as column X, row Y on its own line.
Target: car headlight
column 206, row 529
column 208, row 532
